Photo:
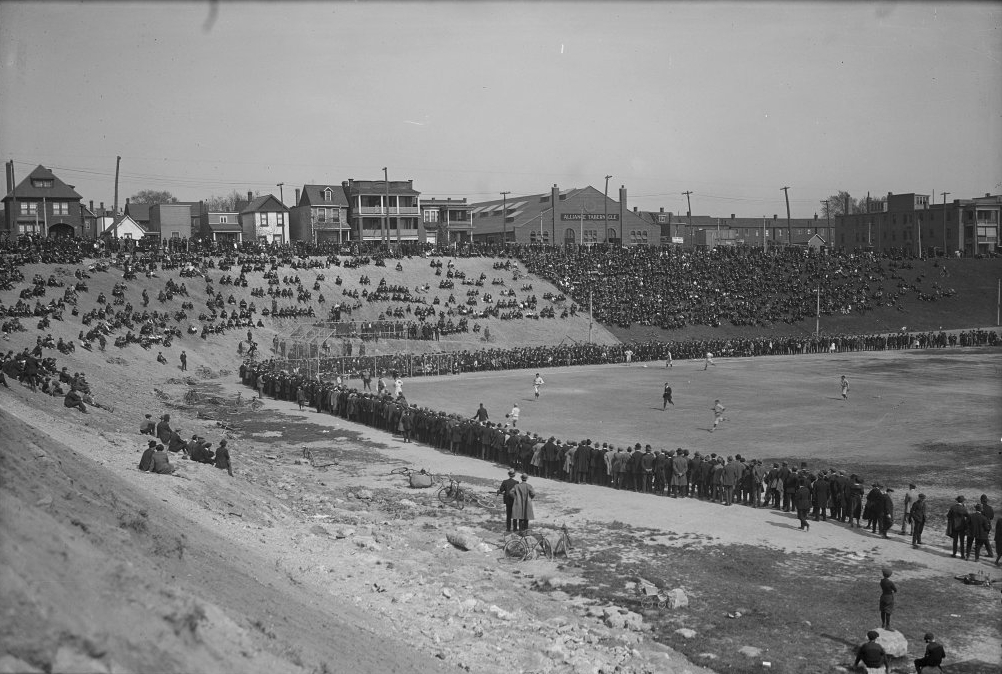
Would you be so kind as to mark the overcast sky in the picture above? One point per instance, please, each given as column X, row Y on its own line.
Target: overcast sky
column 730, row 101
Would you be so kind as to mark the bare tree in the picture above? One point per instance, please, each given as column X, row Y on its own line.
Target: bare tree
column 842, row 203
column 222, row 204
column 153, row 197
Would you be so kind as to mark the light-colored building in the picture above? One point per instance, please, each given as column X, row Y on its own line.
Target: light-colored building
column 124, row 227
column 264, row 219
column 220, row 226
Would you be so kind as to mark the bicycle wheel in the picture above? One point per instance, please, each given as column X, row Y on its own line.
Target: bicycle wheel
column 402, row 470
column 545, row 548
column 516, row 550
column 448, row 494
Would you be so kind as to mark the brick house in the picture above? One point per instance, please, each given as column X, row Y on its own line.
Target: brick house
column 42, row 204
column 320, row 214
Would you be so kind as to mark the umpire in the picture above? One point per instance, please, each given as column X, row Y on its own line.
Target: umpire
column 505, row 489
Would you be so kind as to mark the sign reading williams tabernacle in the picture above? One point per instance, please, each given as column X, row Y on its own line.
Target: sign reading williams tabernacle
column 588, row 216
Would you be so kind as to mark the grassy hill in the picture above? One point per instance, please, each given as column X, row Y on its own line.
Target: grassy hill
column 974, row 304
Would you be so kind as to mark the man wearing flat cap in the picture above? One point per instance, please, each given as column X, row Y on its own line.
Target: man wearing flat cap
column 872, row 656
column 505, row 490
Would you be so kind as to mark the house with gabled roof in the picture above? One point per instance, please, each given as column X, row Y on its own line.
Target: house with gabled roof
column 124, row 227
column 320, row 214
column 384, row 211
column 221, row 226
column 264, row 219
column 41, row 204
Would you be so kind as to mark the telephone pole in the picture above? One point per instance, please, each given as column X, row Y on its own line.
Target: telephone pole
column 504, row 217
column 789, row 229
column 946, row 252
column 606, row 202
column 828, row 217
column 386, row 208
column 118, row 163
column 688, row 204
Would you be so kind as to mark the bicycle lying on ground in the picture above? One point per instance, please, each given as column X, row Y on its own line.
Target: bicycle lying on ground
column 417, row 478
column 520, row 546
column 455, row 494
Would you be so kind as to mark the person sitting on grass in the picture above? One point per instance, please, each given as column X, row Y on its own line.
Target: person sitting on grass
column 146, row 462
column 147, row 426
column 223, row 458
column 74, row 399
column 161, row 462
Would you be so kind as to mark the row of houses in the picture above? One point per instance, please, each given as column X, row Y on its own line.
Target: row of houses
column 393, row 211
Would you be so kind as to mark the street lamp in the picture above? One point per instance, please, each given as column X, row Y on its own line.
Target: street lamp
column 606, row 202
column 504, row 217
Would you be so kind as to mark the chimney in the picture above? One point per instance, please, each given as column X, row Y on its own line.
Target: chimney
column 732, row 216
column 250, row 196
column 815, row 216
column 635, row 208
column 10, row 176
column 102, row 208
column 775, row 217
column 622, row 196
column 126, row 201
column 92, row 206
column 297, row 196
column 554, row 195
column 662, row 210
column 988, row 194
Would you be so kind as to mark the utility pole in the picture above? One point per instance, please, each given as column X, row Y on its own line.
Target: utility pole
column 281, row 192
column 765, row 239
column 386, row 209
column 15, row 231
column 789, row 229
column 828, row 217
column 591, row 317
column 946, row 252
column 118, row 163
column 688, row 205
column 606, row 202
column 504, row 217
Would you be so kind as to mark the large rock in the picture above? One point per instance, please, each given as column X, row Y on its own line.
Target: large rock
column 750, row 651
column 677, row 598
column 894, row 642
column 463, row 540
column 618, row 618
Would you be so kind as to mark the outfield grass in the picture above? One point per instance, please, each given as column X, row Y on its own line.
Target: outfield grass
column 911, row 415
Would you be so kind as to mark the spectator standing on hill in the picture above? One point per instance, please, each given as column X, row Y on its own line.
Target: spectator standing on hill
column 802, row 502
column 300, row 397
column 918, row 516
column 887, row 591
column 509, row 501
column 536, row 383
column 718, row 413
column 872, row 655
column 980, row 529
column 481, row 414
column 844, row 386
column 956, row 526
column 906, row 517
column 855, row 501
column 521, row 509
column 888, row 519
column 987, row 510
column 184, row 361
column 666, row 397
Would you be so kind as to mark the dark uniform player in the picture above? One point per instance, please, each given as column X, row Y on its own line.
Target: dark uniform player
column 667, row 397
